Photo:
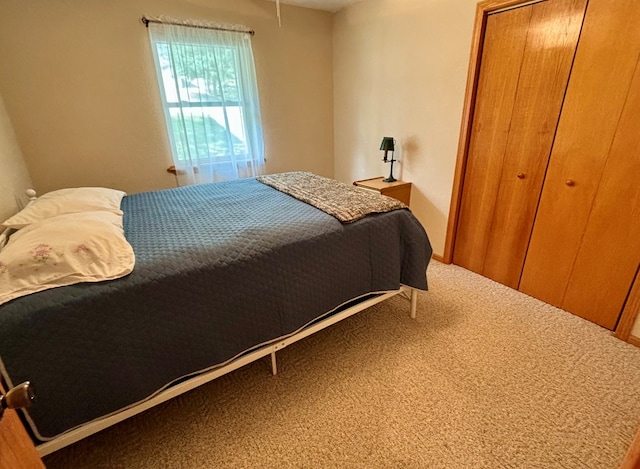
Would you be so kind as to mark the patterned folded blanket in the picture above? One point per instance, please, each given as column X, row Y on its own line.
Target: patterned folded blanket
column 344, row 202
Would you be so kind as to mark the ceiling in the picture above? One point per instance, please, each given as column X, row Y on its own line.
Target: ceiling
column 328, row 5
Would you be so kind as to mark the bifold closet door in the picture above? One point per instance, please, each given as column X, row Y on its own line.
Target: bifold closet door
column 526, row 60
column 585, row 247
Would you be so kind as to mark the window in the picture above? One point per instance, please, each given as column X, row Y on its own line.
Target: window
column 210, row 99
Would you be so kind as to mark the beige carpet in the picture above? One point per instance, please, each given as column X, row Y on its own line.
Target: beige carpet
column 485, row 378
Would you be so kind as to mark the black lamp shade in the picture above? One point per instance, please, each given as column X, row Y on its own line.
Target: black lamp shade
column 387, row 144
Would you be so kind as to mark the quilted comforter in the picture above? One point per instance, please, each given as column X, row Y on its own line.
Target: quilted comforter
column 220, row 269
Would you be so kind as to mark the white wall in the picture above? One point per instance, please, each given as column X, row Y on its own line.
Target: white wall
column 81, row 91
column 14, row 177
column 400, row 69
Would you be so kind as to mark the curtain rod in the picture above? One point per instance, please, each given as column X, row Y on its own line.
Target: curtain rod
column 146, row 22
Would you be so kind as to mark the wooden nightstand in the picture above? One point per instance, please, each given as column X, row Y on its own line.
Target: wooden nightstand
column 398, row 190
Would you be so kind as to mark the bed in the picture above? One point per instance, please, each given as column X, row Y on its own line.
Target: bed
column 225, row 273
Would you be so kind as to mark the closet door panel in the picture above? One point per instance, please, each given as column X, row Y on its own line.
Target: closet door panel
column 502, row 53
column 609, row 251
column 551, row 43
column 526, row 61
column 583, row 162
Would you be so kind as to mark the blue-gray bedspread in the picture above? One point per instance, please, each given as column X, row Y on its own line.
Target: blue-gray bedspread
column 220, row 268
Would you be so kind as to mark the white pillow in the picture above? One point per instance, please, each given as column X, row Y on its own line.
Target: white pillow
column 64, row 250
column 4, row 236
column 74, row 200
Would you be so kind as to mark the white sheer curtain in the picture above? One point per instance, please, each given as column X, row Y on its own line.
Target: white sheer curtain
column 209, row 93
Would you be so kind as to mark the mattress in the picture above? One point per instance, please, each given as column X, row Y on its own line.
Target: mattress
column 220, row 269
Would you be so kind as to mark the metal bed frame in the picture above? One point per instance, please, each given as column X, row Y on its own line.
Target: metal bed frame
column 210, row 374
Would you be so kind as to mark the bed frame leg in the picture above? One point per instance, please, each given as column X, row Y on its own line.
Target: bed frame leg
column 414, row 303
column 274, row 364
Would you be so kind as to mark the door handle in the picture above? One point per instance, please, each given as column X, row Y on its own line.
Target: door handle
column 18, row 397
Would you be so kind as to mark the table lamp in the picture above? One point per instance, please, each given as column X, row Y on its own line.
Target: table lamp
column 388, row 145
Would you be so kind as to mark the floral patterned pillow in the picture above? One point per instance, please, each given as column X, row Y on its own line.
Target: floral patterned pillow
column 64, row 250
column 4, row 236
column 72, row 200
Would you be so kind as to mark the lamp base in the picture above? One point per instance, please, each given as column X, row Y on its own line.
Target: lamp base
column 390, row 178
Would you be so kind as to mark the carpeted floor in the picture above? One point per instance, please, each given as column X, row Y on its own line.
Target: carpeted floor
column 486, row 377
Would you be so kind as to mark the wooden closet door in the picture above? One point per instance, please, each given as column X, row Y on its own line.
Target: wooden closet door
column 585, row 246
column 526, row 60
